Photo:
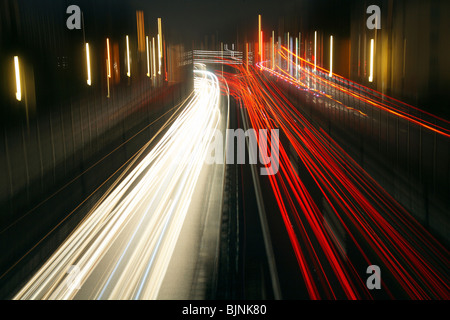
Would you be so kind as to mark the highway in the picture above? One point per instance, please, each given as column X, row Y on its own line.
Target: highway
column 124, row 246
column 334, row 213
column 250, row 150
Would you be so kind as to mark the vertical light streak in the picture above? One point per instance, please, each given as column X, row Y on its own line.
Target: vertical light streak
column 159, row 55
column 88, row 64
column 262, row 47
column 246, row 50
column 165, row 60
column 279, row 58
column 154, row 57
column 331, row 56
column 273, row 50
column 128, row 58
column 299, row 45
column 315, row 51
column 260, row 40
column 296, row 58
column 18, row 85
column 108, row 65
column 109, row 57
column 221, row 52
column 371, row 60
column 288, row 45
column 160, row 39
column 140, row 30
column 148, row 56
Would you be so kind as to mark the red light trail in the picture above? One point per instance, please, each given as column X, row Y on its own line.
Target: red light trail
column 380, row 229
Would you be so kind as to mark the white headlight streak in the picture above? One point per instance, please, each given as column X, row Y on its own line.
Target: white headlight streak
column 122, row 249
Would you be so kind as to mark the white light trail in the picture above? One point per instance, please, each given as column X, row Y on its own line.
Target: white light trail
column 128, row 58
column 18, row 85
column 331, row 56
column 109, row 57
column 123, row 247
column 88, row 64
column 260, row 39
column 148, row 57
column 154, row 56
column 159, row 55
column 273, row 50
column 315, row 51
column 296, row 58
column 160, row 45
column 371, row 60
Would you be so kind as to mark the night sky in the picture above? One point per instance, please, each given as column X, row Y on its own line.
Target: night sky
column 197, row 18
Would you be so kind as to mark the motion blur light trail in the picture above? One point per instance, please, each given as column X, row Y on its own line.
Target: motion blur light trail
column 352, row 211
column 332, row 87
column 123, row 247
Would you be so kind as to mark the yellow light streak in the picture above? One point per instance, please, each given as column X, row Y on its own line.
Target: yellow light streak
column 148, row 56
column 18, row 84
column 331, row 56
column 160, row 39
column 154, row 57
column 159, row 54
column 109, row 57
column 288, row 45
column 88, row 63
column 259, row 37
column 128, row 57
column 315, row 51
column 273, row 50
